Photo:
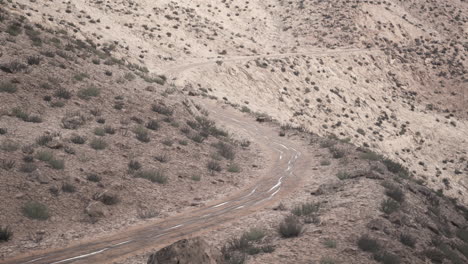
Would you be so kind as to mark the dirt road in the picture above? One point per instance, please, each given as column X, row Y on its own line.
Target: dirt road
column 286, row 164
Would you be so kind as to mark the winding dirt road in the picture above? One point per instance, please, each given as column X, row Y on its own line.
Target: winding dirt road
column 286, row 163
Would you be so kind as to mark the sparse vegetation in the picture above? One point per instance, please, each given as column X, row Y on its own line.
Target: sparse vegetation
column 162, row 109
column 157, row 176
column 142, row 134
column 5, row 234
column 225, row 150
column 342, row 175
column 93, row 177
column 389, row 206
column 9, row 145
column 134, row 165
column 234, row 168
column 63, row 93
column 306, row 209
column 329, row 243
column 77, row 139
column 153, row 125
column 396, row 168
column 408, row 240
column 36, row 210
column 110, row 199
column 290, row 227
column 6, row 87
column 365, row 243
column 89, row 92
column 213, row 166
column 68, row 187
column 44, row 155
column 98, row 144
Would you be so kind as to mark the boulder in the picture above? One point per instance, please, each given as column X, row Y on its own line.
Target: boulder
column 187, row 251
column 40, row 177
column 96, row 209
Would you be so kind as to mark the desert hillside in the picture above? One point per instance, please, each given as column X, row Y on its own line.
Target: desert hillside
column 129, row 113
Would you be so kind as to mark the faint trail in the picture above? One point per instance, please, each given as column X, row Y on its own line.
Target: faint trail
column 315, row 53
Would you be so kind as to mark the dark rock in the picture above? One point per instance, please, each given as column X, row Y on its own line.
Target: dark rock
column 187, row 251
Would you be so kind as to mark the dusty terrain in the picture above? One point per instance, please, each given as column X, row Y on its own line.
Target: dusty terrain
column 383, row 80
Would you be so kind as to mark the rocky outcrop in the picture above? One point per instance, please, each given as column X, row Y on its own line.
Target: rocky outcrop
column 187, row 251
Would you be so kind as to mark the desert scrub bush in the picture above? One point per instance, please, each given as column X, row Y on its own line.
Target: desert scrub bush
column 153, row 125
column 162, row 109
column 370, row 155
column 234, row 168
column 14, row 29
column 387, row 258
column 110, row 199
column 462, row 234
column 93, row 177
column 245, row 109
column 142, row 134
column 98, row 144
column 195, row 177
column 325, row 163
column 408, row 240
column 99, row 131
column 163, row 157
column 43, row 140
column 57, row 164
column 7, row 87
column 337, row 153
column 7, row 164
column 28, row 167
column 342, row 175
column 89, row 92
column 73, row 120
column 291, row 226
column 147, row 214
column 213, row 166
column 389, row 206
column 19, row 113
column 327, row 260
column 183, row 142
column 109, row 130
column 225, row 150
column 157, row 176
column 396, row 168
column 168, row 142
column 44, row 155
column 77, row 139
column 329, row 243
column 365, row 243
column 435, row 255
column 306, row 209
column 63, row 93
column 80, row 76
column 8, row 145
column 361, row 131
column 68, row 187
column 5, row 234
column 328, row 143
column 3, row 131
column 197, row 138
column 134, row 165
column 394, row 192
column 34, row 60
column 36, row 210
column 129, row 76
column 254, row 234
